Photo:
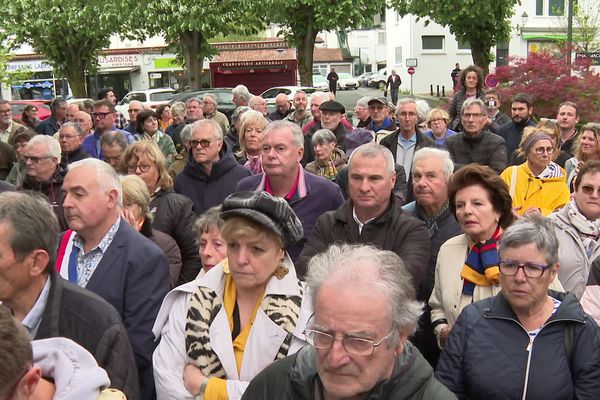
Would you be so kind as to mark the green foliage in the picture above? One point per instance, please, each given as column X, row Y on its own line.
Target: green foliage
column 9, row 77
column 481, row 23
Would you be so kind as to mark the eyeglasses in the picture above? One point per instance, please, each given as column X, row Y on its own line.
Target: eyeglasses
column 407, row 114
column 471, row 115
column 431, row 121
column 34, row 159
column 6, row 111
column 540, row 150
column 100, row 115
column 133, row 168
column 68, row 137
column 531, row 270
column 352, row 345
column 204, row 143
column 590, row 190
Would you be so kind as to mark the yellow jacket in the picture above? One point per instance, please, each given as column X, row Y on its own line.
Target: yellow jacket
column 548, row 194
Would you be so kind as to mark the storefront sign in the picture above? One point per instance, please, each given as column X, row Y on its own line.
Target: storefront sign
column 593, row 57
column 33, row 66
column 167, row 62
column 115, row 61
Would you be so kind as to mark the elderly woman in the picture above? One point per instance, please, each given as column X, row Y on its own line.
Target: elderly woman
column 328, row 158
column 437, row 122
column 163, row 111
column 551, row 129
column 213, row 248
column 136, row 211
column 252, row 124
column 538, row 343
column 172, row 212
column 19, row 171
column 471, row 83
column 538, row 186
column 577, row 226
column 220, row 331
column 587, row 147
column 467, row 265
column 147, row 129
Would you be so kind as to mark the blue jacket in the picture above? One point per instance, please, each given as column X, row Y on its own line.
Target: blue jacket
column 91, row 143
column 486, row 355
column 49, row 127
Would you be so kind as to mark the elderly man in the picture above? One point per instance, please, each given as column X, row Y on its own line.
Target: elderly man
column 332, row 78
column 113, row 144
column 241, row 95
column 282, row 107
column 407, row 139
column 8, row 127
column 331, row 118
column 299, row 116
column 476, row 144
column 373, row 215
column 211, row 172
column 362, row 112
column 210, row 103
column 567, row 118
column 379, row 110
column 47, row 305
column 259, row 104
column 521, row 111
column 84, row 120
column 308, row 195
column 104, row 120
column 232, row 138
column 44, row 172
column 135, row 107
column 105, row 255
column 364, row 312
column 316, row 99
column 70, row 137
column 51, row 125
column 70, row 112
column 181, row 159
column 194, row 111
column 109, row 95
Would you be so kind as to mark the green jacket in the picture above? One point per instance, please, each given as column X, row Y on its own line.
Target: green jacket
column 295, row 377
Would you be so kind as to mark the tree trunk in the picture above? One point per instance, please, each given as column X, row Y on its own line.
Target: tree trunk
column 193, row 57
column 75, row 74
column 481, row 56
column 305, row 52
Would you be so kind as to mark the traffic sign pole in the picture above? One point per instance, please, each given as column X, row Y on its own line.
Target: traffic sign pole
column 411, row 72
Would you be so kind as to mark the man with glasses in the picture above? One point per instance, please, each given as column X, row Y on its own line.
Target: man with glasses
column 476, row 144
column 135, row 107
column 282, row 107
column 364, row 312
column 211, row 173
column 70, row 137
column 113, row 146
column 8, row 127
column 210, row 103
column 108, row 94
column 51, row 125
column 379, row 111
column 104, row 121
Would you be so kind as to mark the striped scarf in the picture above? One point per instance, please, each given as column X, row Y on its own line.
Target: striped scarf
column 481, row 267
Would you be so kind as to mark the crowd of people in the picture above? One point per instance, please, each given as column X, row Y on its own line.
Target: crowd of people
column 408, row 253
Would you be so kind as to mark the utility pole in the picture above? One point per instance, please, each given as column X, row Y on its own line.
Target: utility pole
column 569, row 32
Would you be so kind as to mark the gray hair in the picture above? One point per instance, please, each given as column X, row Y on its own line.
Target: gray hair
column 178, row 108
column 470, row 102
column 191, row 100
column 536, row 230
column 372, row 150
column 212, row 97
column 186, row 133
column 113, row 137
column 321, row 95
column 73, row 125
column 254, row 100
column 203, row 122
column 32, row 224
column 364, row 101
column 241, row 91
column 406, row 100
column 282, row 124
column 239, row 111
column 51, row 144
column 106, row 177
column 342, row 263
column 432, row 152
column 423, row 109
column 212, row 217
column 323, row 136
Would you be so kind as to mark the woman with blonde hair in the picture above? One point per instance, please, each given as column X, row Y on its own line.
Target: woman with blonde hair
column 172, row 212
column 252, row 124
column 437, row 122
column 587, row 147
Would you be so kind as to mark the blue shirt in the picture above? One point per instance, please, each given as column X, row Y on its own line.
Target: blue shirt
column 34, row 316
column 91, row 143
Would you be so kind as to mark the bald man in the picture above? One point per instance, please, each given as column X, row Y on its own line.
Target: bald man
column 70, row 114
column 282, row 107
column 135, row 107
column 84, row 120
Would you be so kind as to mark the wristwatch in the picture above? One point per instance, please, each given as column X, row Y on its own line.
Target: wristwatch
column 200, row 395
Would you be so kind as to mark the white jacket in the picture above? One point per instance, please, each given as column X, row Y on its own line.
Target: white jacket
column 264, row 340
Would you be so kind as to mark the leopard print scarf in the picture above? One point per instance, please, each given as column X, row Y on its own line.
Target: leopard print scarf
column 283, row 310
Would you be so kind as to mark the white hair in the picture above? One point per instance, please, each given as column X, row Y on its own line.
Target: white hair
column 52, row 145
column 321, row 95
column 241, row 91
column 431, row 152
column 106, row 177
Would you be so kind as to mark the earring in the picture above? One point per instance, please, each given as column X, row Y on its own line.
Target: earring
column 281, row 271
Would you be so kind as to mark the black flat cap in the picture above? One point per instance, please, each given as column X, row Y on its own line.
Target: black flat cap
column 332, row 105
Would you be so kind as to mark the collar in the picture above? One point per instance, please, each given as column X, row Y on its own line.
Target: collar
column 360, row 224
column 299, row 190
column 34, row 316
column 104, row 243
column 8, row 128
column 387, row 121
column 402, row 140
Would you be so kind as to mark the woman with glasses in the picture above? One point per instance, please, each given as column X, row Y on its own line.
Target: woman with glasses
column 29, row 116
column 252, row 124
column 220, row 331
column 539, row 185
column 171, row 212
column 577, row 226
column 587, row 147
column 437, row 122
column 528, row 341
column 467, row 264
column 148, row 129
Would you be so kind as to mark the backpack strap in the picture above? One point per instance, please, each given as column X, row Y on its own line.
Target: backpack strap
column 513, row 181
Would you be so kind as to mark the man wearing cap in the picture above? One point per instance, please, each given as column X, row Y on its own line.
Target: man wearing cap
column 380, row 115
column 331, row 118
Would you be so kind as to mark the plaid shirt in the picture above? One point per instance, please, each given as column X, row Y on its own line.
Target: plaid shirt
column 121, row 121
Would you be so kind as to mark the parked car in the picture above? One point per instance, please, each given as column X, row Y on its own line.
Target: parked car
column 224, row 98
column 149, row 97
column 17, row 106
column 379, row 80
column 347, row 81
column 320, row 83
column 79, row 101
column 270, row 94
column 363, row 79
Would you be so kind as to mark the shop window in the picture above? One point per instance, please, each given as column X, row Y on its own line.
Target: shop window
column 539, row 7
column 464, row 45
column 432, row 42
column 398, row 55
column 556, row 7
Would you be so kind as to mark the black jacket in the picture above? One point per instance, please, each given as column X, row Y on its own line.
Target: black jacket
column 340, row 133
column 205, row 190
column 91, row 322
column 52, row 189
column 173, row 215
column 69, row 158
column 296, row 378
column 49, row 126
column 512, row 134
column 488, row 341
column 485, row 148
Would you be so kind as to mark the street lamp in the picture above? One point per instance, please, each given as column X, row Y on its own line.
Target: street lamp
column 524, row 18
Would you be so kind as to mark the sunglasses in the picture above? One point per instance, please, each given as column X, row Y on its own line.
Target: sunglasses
column 205, row 143
column 100, row 115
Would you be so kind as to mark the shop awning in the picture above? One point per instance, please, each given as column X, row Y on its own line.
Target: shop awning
column 549, row 36
column 113, row 70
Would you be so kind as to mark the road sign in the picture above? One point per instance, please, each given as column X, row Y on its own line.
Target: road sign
column 491, row 81
column 411, row 62
column 411, row 70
